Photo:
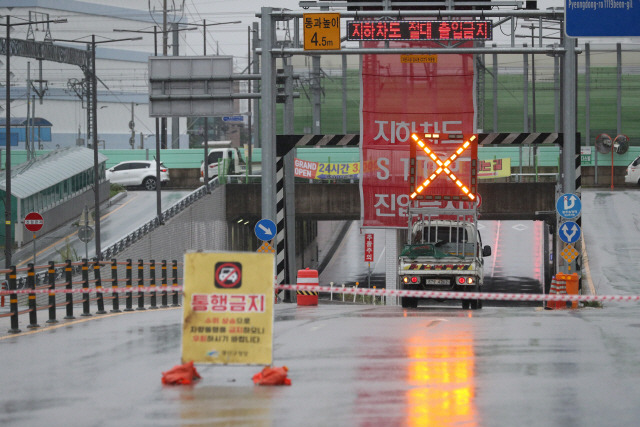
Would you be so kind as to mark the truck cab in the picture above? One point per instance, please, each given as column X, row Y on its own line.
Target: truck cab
column 221, row 155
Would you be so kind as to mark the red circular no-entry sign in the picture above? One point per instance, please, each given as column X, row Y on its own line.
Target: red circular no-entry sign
column 33, row 221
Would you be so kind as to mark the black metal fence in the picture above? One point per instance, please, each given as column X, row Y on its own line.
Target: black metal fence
column 144, row 288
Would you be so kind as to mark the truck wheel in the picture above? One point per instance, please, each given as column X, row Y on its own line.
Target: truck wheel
column 476, row 304
column 409, row 302
column 465, row 304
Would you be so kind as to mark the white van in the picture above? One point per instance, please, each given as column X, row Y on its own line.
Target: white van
column 633, row 172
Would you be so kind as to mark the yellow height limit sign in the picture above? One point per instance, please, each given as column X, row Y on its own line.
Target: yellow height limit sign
column 321, row 31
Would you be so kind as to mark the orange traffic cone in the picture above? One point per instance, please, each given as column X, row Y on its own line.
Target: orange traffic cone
column 553, row 290
column 272, row 376
column 180, row 375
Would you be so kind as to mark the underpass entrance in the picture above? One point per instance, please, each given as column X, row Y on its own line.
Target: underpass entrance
column 271, row 50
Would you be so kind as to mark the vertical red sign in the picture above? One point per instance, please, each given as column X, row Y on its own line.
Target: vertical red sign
column 399, row 99
column 368, row 247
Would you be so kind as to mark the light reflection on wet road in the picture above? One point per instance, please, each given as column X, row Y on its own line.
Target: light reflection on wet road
column 351, row 365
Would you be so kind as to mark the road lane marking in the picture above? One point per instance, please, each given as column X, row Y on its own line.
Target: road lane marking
column 75, row 322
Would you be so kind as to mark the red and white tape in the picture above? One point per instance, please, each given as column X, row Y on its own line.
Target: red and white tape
column 464, row 295
column 356, row 291
column 145, row 289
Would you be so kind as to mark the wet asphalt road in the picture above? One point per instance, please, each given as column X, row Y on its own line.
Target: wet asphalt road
column 351, row 365
column 358, row 365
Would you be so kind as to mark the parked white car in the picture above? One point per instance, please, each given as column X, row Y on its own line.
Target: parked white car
column 633, row 172
column 138, row 173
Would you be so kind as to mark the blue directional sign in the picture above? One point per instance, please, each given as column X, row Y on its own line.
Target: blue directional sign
column 597, row 18
column 568, row 205
column 233, row 119
column 265, row 229
column 569, row 232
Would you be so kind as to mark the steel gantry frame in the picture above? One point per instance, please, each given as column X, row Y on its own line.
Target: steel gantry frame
column 269, row 51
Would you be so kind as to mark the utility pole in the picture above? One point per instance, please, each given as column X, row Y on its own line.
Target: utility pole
column 92, row 76
column 175, row 121
column 206, row 119
column 132, row 127
column 26, row 130
column 249, row 102
column 96, row 175
column 161, row 137
column 256, row 70
column 155, row 53
column 8, row 239
column 316, row 94
column 165, row 42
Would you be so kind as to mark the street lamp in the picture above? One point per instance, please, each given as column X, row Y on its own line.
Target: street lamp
column 162, row 134
column 204, row 30
column 155, row 53
column 8, row 243
column 94, row 96
column 206, row 119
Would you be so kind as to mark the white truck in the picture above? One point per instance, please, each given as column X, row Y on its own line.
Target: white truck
column 223, row 155
column 444, row 252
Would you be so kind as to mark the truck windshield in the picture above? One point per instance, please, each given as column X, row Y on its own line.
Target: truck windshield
column 446, row 241
column 442, row 234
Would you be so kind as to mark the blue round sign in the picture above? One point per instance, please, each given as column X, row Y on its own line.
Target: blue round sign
column 569, row 232
column 265, row 229
column 568, row 206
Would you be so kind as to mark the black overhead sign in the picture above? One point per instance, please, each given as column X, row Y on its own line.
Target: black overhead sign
column 45, row 51
column 419, row 30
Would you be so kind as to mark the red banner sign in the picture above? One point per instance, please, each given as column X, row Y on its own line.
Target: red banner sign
column 368, row 247
column 400, row 99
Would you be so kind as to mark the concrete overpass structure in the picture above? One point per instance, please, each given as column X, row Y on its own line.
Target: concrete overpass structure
column 325, row 202
column 330, row 202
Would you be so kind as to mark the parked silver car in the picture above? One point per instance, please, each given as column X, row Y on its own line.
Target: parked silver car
column 138, row 173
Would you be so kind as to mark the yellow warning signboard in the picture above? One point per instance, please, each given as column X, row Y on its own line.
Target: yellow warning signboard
column 228, row 308
column 321, row 31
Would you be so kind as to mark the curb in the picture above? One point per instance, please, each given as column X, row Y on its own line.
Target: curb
column 591, row 290
column 117, row 198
